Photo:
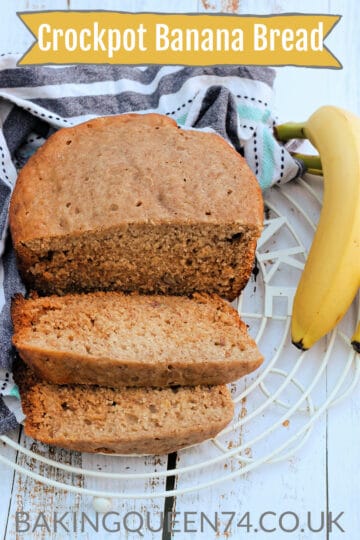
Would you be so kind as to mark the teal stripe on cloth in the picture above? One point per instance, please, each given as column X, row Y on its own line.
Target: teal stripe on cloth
column 15, row 392
column 182, row 119
column 268, row 160
column 252, row 113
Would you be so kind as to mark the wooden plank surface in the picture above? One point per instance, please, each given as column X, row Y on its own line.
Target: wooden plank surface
column 6, row 482
column 343, row 434
column 325, row 473
column 13, row 35
column 33, row 497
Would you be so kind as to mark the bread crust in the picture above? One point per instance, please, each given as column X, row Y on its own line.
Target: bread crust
column 42, row 161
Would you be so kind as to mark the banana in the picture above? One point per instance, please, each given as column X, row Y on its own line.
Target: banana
column 331, row 276
column 355, row 340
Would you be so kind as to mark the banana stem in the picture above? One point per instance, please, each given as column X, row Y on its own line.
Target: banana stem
column 295, row 130
column 315, row 172
column 290, row 130
column 310, row 162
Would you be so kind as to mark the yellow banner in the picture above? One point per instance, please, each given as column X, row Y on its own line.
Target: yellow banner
column 105, row 37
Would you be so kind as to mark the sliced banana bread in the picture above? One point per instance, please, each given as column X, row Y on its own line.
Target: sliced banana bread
column 117, row 339
column 123, row 421
column 133, row 203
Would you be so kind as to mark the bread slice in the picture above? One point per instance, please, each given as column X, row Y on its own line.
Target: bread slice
column 133, row 203
column 115, row 339
column 123, row 421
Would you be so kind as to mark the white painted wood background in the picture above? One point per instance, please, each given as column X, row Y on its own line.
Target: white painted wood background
column 325, row 474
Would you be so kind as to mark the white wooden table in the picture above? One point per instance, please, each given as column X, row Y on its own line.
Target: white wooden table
column 325, row 474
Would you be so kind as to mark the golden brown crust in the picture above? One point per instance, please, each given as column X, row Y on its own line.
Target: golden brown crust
column 26, row 184
column 127, row 421
column 189, row 341
column 33, row 215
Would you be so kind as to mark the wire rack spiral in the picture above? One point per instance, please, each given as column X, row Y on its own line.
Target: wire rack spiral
column 276, row 408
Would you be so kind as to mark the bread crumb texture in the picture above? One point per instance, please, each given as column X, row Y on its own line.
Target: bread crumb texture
column 116, row 339
column 130, row 420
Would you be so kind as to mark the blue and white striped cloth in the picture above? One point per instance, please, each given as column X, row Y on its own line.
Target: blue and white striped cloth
column 235, row 101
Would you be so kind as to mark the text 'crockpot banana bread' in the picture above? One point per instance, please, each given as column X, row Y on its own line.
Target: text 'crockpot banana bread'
column 125, row 421
column 134, row 203
column 117, row 339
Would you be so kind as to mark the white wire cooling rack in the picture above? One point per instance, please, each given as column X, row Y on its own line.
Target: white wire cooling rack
column 276, row 408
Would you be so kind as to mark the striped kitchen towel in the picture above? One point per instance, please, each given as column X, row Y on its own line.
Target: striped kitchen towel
column 235, row 101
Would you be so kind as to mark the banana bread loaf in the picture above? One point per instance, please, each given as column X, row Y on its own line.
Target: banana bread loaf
column 123, row 421
column 133, row 203
column 117, row 339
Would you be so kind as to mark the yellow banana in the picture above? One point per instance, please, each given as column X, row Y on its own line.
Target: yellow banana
column 355, row 340
column 331, row 276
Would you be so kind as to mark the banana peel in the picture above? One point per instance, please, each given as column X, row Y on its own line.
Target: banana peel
column 331, row 276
